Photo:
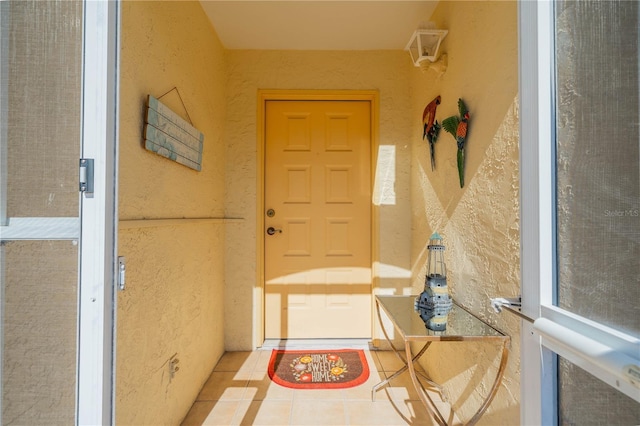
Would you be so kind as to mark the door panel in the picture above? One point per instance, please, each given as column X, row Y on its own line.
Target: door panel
column 318, row 256
column 579, row 239
column 597, row 191
column 39, row 332
column 43, row 99
column 58, row 103
column 598, row 184
column 40, row 138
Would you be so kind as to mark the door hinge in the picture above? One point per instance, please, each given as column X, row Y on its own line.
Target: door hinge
column 86, row 175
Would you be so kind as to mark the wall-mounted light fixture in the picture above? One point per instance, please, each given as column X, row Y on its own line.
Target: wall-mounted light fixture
column 425, row 45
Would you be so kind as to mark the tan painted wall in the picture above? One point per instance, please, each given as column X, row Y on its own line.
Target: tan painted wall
column 385, row 71
column 479, row 223
column 173, row 302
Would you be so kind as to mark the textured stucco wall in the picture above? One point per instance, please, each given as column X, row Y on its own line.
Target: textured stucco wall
column 480, row 222
column 173, row 304
column 385, row 71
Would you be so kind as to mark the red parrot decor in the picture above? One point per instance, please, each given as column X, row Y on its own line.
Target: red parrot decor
column 431, row 128
column 458, row 127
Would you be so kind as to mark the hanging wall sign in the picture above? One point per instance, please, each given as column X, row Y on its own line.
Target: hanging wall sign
column 167, row 134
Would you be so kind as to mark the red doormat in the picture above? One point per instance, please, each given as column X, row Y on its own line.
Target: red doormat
column 319, row 369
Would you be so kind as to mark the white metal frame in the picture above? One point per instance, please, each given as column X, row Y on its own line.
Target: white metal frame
column 602, row 351
column 537, row 383
column 96, row 353
column 4, row 118
column 95, row 227
column 4, row 111
column 596, row 348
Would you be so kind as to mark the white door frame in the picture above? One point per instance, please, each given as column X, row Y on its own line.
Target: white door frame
column 95, row 227
column 99, row 214
column 600, row 350
column 537, row 381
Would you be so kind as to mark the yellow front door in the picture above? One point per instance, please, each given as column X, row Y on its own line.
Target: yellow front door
column 318, row 219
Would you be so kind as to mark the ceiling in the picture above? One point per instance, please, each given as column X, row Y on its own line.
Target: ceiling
column 317, row 25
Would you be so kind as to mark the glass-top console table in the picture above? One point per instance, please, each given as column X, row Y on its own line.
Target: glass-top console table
column 457, row 326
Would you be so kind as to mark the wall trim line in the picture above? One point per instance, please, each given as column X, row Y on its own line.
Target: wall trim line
column 152, row 223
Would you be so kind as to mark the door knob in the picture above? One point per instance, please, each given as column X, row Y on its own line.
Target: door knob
column 271, row 230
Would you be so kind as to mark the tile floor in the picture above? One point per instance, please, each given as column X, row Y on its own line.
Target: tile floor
column 239, row 392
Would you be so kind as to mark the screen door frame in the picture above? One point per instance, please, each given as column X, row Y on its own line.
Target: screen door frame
column 554, row 331
column 96, row 226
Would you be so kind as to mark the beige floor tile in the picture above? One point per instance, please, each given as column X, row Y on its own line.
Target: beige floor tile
column 383, row 394
column 239, row 391
column 264, row 356
column 363, row 391
column 387, row 361
column 416, row 412
column 223, row 386
column 238, row 361
column 264, row 413
column 371, row 360
column 261, row 387
column 386, row 413
column 318, row 394
column 318, row 412
column 209, row 413
column 376, row 362
column 401, row 388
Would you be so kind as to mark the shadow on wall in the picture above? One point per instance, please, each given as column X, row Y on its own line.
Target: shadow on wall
column 394, row 269
column 487, row 209
column 481, row 235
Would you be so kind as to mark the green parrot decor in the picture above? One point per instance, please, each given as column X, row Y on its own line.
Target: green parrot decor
column 458, row 127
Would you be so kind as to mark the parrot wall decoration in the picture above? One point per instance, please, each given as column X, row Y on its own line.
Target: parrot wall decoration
column 431, row 127
column 458, row 127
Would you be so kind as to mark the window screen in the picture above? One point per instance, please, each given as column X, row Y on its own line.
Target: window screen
column 598, row 189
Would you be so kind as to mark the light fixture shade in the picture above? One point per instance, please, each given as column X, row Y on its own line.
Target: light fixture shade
column 424, row 45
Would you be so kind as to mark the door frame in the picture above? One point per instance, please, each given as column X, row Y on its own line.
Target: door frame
column 99, row 214
column 538, row 363
column 264, row 95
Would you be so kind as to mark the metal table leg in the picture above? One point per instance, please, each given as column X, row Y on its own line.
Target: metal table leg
column 404, row 359
column 428, row 402
column 422, row 393
column 496, row 383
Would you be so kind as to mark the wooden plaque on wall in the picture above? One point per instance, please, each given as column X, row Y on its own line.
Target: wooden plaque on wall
column 168, row 135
